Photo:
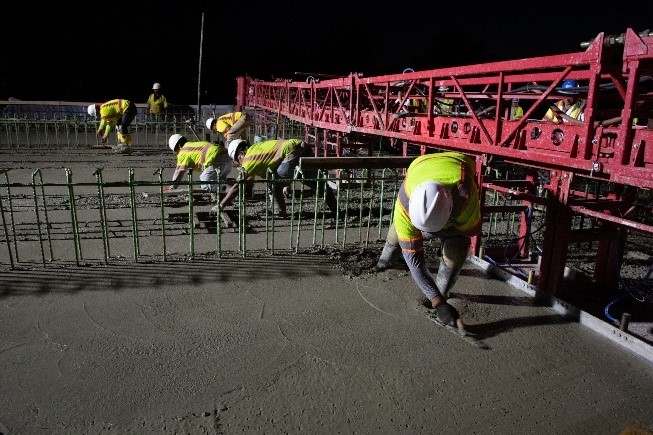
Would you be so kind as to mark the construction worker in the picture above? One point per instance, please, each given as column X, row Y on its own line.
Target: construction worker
column 569, row 108
column 157, row 104
column 231, row 126
column 438, row 198
column 516, row 111
column 282, row 157
column 118, row 112
column 443, row 105
column 205, row 156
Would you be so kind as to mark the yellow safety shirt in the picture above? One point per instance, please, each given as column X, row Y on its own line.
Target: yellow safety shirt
column 110, row 113
column 198, row 155
column 268, row 155
column 224, row 123
column 457, row 173
column 157, row 104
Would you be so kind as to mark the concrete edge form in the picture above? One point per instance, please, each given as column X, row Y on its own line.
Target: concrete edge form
column 614, row 334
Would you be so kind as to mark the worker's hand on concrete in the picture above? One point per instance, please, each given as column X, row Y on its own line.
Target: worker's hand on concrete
column 447, row 314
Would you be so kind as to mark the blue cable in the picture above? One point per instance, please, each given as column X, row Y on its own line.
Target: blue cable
column 606, row 311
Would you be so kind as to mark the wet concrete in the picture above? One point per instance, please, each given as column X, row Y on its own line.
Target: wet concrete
column 288, row 345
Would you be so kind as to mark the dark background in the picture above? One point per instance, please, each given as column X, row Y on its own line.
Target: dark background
column 97, row 51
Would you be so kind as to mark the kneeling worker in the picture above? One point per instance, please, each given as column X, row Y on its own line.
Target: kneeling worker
column 438, row 198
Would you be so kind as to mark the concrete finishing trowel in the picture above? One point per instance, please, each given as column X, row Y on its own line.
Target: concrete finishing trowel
column 459, row 330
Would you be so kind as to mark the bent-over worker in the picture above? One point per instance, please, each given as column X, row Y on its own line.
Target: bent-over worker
column 438, row 198
column 204, row 156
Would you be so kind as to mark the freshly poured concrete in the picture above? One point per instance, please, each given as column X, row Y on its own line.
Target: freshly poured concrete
column 291, row 345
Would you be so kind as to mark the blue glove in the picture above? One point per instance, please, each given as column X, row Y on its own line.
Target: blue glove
column 447, row 314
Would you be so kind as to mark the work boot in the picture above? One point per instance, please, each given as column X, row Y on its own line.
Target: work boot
column 388, row 258
column 123, row 149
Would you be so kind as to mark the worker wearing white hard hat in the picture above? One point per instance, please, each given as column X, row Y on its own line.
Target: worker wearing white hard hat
column 281, row 157
column 157, row 104
column 210, row 158
column 118, row 113
column 231, row 126
column 438, row 199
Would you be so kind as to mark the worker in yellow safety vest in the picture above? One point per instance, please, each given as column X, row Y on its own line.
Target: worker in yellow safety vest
column 281, row 156
column 157, row 103
column 443, row 106
column 119, row 113
column 438, row 198
column 231, row 126
column 570, row 107
column 516, row 111
column 202, row 156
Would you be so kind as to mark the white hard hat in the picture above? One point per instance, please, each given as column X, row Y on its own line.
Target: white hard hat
column 174, row 140
column 156, row 86
column 91, row 110
column 209, row 122
column 233, row 147
column 430, row 206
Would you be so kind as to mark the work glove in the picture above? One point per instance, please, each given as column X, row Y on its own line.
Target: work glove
column 447, row 314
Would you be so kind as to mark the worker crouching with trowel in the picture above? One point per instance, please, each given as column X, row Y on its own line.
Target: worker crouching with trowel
column 438, row 198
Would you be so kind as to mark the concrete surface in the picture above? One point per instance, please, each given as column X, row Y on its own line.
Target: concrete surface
column 292, row 345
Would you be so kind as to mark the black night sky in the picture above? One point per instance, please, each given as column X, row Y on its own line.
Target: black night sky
column 95, row 52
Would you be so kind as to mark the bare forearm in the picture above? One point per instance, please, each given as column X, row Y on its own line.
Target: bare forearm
column 176, row 177
column 229, row 196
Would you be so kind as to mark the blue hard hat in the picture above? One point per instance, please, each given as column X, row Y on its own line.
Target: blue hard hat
column 568, row 86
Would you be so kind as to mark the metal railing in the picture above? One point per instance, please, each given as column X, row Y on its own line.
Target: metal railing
column 47, row 223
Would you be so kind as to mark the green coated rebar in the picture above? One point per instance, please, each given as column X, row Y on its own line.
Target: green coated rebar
column 159, row 173
column 4, row 227
column 103, row 215
column 11, row 213
column 269, row 209
column 73, row 216
column 218, row 215
column 292, row 210
column 133, row 207
column 321, row 176
column 241, row 212
column 38, row 218
column 191, row 214
column 370, row 207
column 361, row 181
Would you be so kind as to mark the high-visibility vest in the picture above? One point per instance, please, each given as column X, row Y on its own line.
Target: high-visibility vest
column 457, row 173
column 269, row 154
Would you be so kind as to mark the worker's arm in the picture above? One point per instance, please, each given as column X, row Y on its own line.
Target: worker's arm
column 233, row 190
column 416, row 263
column 421, row 274
column 104, row 129
column 179, row 173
